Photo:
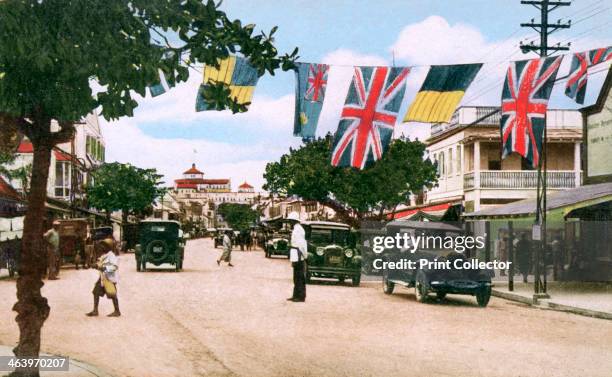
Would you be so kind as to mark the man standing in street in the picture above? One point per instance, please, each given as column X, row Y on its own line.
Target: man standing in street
column 107, row 283
column 523, row 255
column 227, row 250
column 297, row 255
column 52, row 239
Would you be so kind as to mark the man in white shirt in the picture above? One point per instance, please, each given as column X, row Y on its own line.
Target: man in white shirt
column 227, row 250
column 107, row 283
column 297, row 255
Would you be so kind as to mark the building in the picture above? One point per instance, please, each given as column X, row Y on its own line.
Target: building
column 71, row 162
column 472, row 173
column 306, row 209
column 198, row 197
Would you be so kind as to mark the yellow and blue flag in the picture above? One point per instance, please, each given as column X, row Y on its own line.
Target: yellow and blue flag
column 237, row 73
column 441, row 92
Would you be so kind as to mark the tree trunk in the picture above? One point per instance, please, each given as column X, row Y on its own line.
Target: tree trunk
column 31, row 307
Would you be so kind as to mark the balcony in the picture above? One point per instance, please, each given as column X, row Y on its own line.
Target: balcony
column 519, row 179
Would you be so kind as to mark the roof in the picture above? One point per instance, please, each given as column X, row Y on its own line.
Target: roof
column 192, row 170
column 436, row 209
column 61, row 155
column 560, row 199
column 325, row 224
column 160, row 221
column 25, row 147
column 423, row 225
column 221, row 181
column 186, row 186
column 245, row 185
column 8, row 192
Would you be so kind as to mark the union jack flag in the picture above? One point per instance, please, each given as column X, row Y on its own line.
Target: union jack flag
column 317, row 82
column 369, row 115
column 524, row 102
column 581, row 61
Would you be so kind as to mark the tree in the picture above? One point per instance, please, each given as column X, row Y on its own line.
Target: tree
column 124, row 187
column 51, row 51
column 353, row 194
column 238, row 216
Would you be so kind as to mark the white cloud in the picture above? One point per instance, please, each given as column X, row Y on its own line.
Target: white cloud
column 127, row 143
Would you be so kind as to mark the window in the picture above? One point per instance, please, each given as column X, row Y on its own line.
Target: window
column 459, row 159
column 62, row 179
column 449, row 170
column 441, row 165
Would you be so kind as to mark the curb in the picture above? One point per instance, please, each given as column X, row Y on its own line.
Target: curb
column 548, row 305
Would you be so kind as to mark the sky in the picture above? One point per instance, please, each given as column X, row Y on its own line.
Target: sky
column 167, row 133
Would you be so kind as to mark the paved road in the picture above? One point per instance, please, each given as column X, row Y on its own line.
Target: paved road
column 221, row 321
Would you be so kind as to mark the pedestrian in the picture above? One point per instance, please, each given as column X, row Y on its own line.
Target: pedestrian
column 52, row 239
column 107, row 264
column 297, row 255
column 523, row 255
column 501, row 248
column 227, row 249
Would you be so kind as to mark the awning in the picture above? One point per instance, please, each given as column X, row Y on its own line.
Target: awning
column 558, row 205
column 435, row 210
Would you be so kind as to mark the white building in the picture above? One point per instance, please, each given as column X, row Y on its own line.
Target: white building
column 70, row 161
column 471, row 171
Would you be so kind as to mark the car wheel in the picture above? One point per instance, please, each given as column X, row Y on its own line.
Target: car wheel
column 308, row 277
column 356, row 280
column 341, row 279
column 440, row 295
column 387, row 285
column 483, row 296
column 420, row 287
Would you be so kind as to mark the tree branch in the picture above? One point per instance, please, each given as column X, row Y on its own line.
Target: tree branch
column 65, row 133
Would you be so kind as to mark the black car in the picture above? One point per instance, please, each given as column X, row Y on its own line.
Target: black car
column 332, row 252
column 161, row 241
column 425, row 277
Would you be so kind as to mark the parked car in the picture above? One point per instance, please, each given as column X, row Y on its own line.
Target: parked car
column 129, row 234
column 475, row 282
column 161, row 241
column 220, row 234
column 10, row 251
column 332, row 252
column 278, row 244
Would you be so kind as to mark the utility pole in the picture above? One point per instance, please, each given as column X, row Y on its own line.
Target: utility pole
column 543, row 49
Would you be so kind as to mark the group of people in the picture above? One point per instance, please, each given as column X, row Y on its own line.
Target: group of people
column 297, row 255
column 523, row 247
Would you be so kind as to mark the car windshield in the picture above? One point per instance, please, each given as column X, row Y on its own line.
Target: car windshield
column 321, row 236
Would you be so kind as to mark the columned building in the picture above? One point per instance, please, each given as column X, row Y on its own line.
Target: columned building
column 472, row 173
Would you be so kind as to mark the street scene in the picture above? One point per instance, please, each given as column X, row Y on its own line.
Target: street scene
column 217, row 321
column 322, row 188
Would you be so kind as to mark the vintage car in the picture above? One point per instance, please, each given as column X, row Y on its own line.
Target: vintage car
column 434, row 278
column 10, row 250
column 219, row 236
column 72, row 241
column 129, row 234
column 277, row 243
column 161, row 241
column 332, row 252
